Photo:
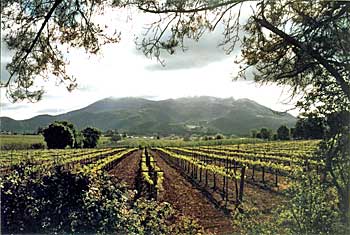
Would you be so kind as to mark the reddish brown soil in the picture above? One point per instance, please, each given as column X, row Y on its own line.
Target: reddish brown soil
column 257, row 196
column 189, row 201
column 126, row 170
column 265, row 199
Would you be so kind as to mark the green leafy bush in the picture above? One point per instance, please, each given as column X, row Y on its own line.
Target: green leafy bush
column 312, row 208
column 58, row 201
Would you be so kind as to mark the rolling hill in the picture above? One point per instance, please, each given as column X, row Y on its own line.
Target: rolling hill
column 202, row 115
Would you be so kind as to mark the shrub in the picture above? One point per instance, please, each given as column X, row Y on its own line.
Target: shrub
column 312, row 208
column 38, row 146
column 58, row 201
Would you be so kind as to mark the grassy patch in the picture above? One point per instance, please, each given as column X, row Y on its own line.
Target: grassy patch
column 20, row 141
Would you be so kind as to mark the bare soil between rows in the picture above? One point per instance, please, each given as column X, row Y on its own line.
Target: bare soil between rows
column 255, row 196
column 126, row 170
column 188, row 200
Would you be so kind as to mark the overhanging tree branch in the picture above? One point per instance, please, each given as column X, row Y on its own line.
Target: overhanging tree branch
column 35, row 40
column 314, row 54
column 198, row 9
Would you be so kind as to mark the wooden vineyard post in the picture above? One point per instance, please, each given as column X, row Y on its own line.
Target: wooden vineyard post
column 276, row 178
column 236, row 185
column 226, row 198
column 155, row 180
column 206, row 177
column 148, row 163
column 223, row 187
column 263, row 175
column 192, row 170
column 214, row 185
column 200, row 174
column 230, row 167
column 253, row 168
column 241, row 185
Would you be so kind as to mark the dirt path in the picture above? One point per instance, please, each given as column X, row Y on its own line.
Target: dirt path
column 126, row 170
column 189, row 201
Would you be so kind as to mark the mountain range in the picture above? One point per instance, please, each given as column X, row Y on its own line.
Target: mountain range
column 137, row 116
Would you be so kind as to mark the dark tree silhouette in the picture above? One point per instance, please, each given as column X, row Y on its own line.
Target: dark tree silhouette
column 91, row 137
column 265, row 133
column 310, row 127
column 283, row 133
column 58, row 136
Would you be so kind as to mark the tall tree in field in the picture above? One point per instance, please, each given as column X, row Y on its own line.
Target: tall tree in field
column 265, row 133
column 91, row 137
column 302, row 44
column 283, row 133
column 58, row 136
column 254, row 133
column 78, row 138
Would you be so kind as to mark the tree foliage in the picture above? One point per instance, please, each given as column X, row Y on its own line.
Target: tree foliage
column 265, row 133
column 254, row 133
column 335, row 152
column 91, row 136
column 59, row 135
column 116, row 137
column 283, row 133
column 39, row 32
column 219, row 136
column 310, row 127
column 312, row 208
column 298, row 43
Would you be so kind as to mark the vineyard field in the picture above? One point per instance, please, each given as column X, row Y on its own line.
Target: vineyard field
column 217, row 179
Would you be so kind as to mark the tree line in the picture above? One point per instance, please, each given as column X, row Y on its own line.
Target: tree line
column 60, row 134
column 306, row 127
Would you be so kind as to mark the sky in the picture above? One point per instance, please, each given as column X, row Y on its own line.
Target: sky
column 120, row 70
